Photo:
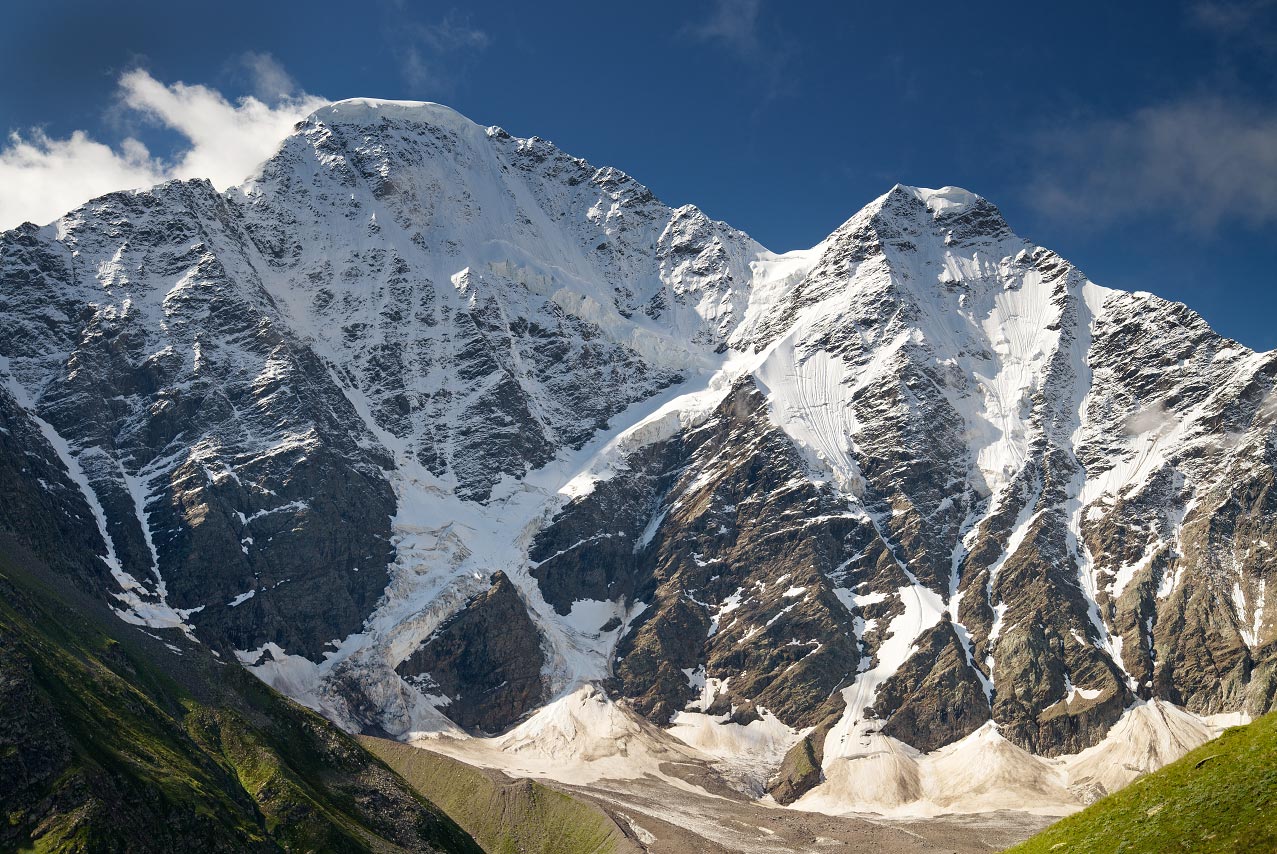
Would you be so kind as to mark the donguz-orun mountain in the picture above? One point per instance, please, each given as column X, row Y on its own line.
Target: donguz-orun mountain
column 455, row 438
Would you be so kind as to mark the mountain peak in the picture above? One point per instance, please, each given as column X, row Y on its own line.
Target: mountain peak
column 945, row 206
column 954, row 214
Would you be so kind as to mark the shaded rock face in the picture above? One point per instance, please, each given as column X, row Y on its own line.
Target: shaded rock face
column 935, row 698
column 42, row 508
column 211, row 438
column 922, row 476
column 115, row 739
column 486, row 660
column 733, row 551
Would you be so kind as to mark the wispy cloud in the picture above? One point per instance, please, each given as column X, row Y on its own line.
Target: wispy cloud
column 1232, row 17
column 1199, row 162
column 737, row 26
column 732, row 23
column 434, row 56
column 268, row 80
column 43, row 177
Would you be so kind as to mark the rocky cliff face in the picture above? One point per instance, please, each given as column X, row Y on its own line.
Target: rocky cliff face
column 486, row 660
column 429, row 424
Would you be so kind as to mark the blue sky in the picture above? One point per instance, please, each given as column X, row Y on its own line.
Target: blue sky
column 1137, row 139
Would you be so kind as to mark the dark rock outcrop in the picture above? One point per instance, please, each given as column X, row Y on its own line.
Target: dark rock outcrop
column 486, row 660
column 936, row 698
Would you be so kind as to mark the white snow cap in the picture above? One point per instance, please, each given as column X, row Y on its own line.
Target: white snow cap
column 944, row 201
column 360, row 110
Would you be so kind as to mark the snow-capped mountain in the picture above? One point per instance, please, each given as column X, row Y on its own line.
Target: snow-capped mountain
column 446, row 432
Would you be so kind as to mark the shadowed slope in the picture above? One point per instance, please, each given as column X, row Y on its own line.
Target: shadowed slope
column 111, row 741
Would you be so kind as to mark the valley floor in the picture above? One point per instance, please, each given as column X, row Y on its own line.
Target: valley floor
column 674, row 821
column 676, row 808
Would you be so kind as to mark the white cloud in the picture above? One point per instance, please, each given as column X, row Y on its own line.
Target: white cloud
column 1197, row 162
column 42, row 178
column 227, row 140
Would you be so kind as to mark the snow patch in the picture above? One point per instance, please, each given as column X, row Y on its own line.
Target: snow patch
column 923, row 608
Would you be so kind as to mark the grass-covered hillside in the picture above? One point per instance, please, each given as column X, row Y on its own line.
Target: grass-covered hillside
column 506, row 816
column 1222, row 798
column 110, row 741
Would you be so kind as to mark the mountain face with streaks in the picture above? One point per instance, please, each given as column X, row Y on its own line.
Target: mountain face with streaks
column 445, row 432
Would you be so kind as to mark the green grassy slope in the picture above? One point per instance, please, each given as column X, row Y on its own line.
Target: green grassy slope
column 110, row 741
column 1222, row 798
column 505, row 816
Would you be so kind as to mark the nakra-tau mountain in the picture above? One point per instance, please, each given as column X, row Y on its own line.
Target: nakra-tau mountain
column 446, row 433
